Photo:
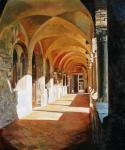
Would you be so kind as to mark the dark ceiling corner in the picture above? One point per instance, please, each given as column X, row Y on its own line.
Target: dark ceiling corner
column 2, row 5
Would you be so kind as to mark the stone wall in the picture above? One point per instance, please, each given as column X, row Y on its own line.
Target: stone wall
column 101, row 18
column 7, row 97
column 7, row 107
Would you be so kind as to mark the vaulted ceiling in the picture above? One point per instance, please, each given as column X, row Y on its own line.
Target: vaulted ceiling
column 64, row 29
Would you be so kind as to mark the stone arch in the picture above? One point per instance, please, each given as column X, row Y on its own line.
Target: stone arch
column 44, row 31
column 28, row 9
column 69, row 69
column 39, row 59
column 37, row 73
column 14, row 76
column 23, row 31
column 66, row 51
column 71, row 54
column 64, row 42
column 77, row 59
column 20, row 62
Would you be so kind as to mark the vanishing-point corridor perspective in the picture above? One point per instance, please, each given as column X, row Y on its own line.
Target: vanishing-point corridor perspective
column 62, row 74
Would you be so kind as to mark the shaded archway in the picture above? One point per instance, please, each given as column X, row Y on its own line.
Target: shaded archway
column 37, row 73
column 15, row 60
column 20, row 60
column 34, row 77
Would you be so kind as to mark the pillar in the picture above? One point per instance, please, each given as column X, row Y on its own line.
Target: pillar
column 95, row 65
column 102, row 65
column 44, row 90
column 105, row 75
column 69, row 83
column 116, row 50
column 90, row 76
column 64, row 85
column 50, row 86
column 24, row 90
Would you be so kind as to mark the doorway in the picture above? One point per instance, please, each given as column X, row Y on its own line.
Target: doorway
column 37, row 77
column 77, row 83
column 80, row 83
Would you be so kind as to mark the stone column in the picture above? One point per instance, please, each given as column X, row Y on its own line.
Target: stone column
column 115, row 138
column 90, row 76
column 94, row 74
column 69, row 83
column 29, row 68
column 95, row 67
column 65, row 79
column 102, row 65
column 92, row 71
column 95, row 86
column 50, row 86
column 44, row 90
column 105, row 75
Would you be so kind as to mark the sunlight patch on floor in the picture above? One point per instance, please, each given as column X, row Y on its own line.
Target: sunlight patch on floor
column 63, row 109
column 55, row 110
column 69, row 97
column 62, row 102
column 41, row 115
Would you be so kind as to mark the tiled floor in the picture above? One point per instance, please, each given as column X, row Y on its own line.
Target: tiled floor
column 63, row 125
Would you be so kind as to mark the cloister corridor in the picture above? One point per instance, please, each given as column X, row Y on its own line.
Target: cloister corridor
column 62, row 74
column 63, row 125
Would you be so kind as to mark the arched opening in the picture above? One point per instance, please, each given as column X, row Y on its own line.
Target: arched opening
column 37, row 73
column 15, row 60
column 19, row 64
column 23, row 61
column 77, row 83
column 47, row 78
column 34, row 80
column 80, row 83
column 64, row 80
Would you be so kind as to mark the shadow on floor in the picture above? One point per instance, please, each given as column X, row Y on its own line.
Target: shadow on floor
column 71, row 132
column 82, row 146
column 81, row 141
column 5, row 145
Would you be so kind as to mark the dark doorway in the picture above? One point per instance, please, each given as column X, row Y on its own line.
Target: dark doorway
column 33, row 81
column 75, row 83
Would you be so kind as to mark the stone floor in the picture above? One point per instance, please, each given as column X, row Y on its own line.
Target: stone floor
column 62, row 125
